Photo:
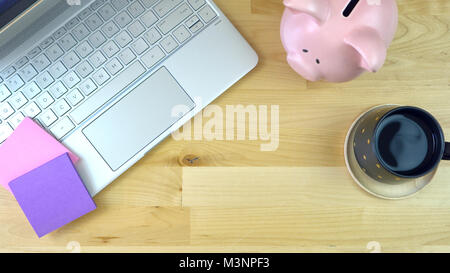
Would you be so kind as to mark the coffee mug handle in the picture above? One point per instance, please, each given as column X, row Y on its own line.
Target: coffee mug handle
column 446, row 151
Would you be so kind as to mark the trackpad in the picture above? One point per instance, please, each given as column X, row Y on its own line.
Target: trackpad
column 137, row 119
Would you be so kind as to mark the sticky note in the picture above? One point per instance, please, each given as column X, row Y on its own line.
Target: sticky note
column 52, row 195
column 28, row 147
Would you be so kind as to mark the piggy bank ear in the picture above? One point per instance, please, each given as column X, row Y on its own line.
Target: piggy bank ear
column 370, row 47
column 319, row 9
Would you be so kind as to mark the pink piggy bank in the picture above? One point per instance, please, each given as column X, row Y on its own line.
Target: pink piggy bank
column 337, row 40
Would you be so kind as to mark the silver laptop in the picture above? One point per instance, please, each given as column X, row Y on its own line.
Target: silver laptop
column 105, row 76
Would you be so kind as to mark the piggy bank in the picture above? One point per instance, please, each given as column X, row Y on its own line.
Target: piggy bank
column 337, row 40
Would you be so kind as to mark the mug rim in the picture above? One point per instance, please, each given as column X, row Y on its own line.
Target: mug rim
column 441, row 135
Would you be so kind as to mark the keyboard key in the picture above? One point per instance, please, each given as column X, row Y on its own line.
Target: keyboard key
column 195, row 28
column 7, row 72
column 58, row 90
column 48, row 118
column 181, row 34
column 149, row 18
column 44, row 80
column 97, row 59
column 21, row 62
column 61, row 107
column 84, row 69
column 28, row 72
column 175, row 18
column 5, row 131
column 31, row 90
column 80, row 32
column 84, row 13
column 123, row 19
column 119, row 4
column 54, row 52
column 106, row 12
column 94, row 22
column 136, row 9
column 41, row 62
column 114, row 66
column 59, row 33
column 57, row 70
column 207, row 14
column 74, row 97
column 97, row 39
column 6, row 110
column 196, row 4
column 136, row 29
column 72, row 23
column 71, row 79
column 87, row 87
column 34, row 52
column 191, row 21
column 84, row 49
column 97, row 4
column 110, row 49
column 139, row 46
column 14, row 83
column 15, row 120
column 110, row 29
column 102, row 96
column 71, row 59
column 62, row 128
column 101, row 76
column 149, row 3
column 4, row 93
column 153, row 56
column 163, row 7
column 32, row 110
column 123, row 39
column 127, row 56
column 169, row 44
column 45, row 100
column 67, row 42
column 46, row 43
column 18, row 100
column 38, row 122
column 152, row 36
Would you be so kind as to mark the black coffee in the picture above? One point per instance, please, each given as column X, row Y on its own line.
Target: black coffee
column 403, row 144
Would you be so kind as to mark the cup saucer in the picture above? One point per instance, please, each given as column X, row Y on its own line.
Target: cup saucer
column 378, row 189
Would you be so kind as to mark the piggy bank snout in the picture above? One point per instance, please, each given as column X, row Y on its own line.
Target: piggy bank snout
column 303, row 67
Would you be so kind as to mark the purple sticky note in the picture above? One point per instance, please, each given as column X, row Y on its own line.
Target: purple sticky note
column 52, row 195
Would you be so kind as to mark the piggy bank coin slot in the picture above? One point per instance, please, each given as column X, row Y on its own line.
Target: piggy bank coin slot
column 350, row 7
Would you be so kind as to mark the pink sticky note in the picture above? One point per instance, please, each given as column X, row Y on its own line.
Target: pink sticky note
column 28, row 148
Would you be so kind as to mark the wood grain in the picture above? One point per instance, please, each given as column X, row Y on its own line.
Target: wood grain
column 298, row 198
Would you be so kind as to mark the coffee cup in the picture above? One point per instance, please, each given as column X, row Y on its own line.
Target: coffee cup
column 397, row 144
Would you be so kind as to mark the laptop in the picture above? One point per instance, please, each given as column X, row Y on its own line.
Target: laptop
column 107, row 77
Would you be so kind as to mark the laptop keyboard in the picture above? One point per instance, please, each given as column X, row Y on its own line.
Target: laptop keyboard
column 75, row 71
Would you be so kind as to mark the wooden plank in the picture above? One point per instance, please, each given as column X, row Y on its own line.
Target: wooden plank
column 108, row 226
column 144, row 185
column 301, row 187
column 322, row 228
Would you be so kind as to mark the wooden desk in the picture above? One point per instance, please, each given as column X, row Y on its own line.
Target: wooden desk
column 299, row 198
